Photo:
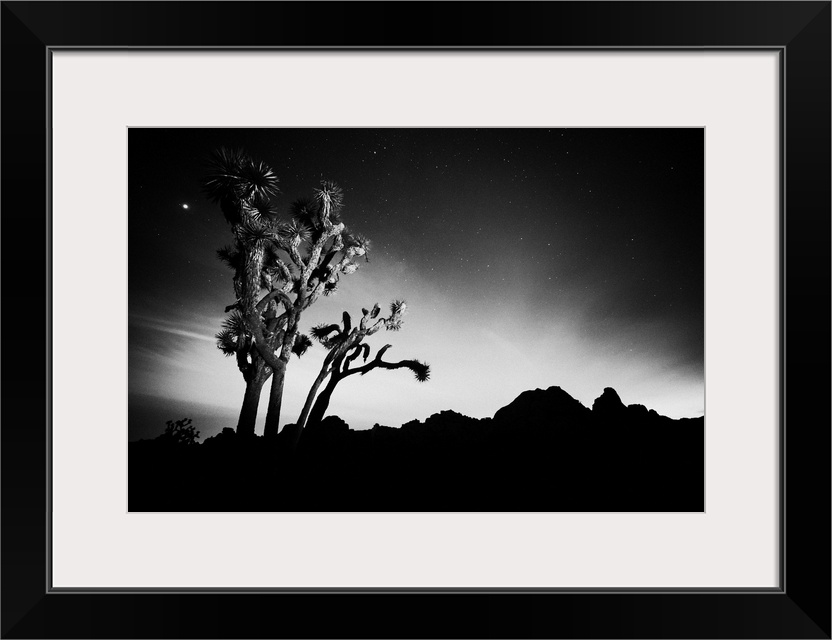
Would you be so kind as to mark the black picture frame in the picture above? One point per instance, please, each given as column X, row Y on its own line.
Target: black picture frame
column 800, row 31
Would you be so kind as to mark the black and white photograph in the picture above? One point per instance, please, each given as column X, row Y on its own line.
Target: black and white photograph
column 514, row 316
column 416, row 319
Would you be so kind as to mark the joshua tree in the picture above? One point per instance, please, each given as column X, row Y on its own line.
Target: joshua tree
column 294, row 262
column 236, row 340
column 243, row 188
column 345, row 344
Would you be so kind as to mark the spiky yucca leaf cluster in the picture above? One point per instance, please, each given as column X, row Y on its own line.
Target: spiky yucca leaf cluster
column 231, row 257
column 227, row 342
column 263, row 210
column 396, row 319
column 235, row 323
column 323, row 333
column 234, row 179
column 252, row 234
column 330, row 199
column 311, row 215
column 302, row 343
column 306, row 212
column 224, row 173
column 362, row 241
column 358, row 244
column 295, row 232
column 420, row 369
column 257, row 179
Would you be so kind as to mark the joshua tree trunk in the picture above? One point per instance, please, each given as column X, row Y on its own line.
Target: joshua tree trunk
column 310, row 397
column 322, row 403
column 248, row 413
column 253, row 270
column 340, row 370
column 275, row 402
column 279, row 365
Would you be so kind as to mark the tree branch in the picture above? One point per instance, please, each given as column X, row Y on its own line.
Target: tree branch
column 262, row 345
column 375, row 362
column 291, row 249
column 271, row 295
column 317, row 248
column 380, row 364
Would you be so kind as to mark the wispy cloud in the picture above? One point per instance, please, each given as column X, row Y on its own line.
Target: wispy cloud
column 171, row 328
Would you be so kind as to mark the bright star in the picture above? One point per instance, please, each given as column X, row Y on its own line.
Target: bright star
column 184, row 206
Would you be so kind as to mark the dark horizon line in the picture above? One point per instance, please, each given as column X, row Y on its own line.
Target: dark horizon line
column 441, row 411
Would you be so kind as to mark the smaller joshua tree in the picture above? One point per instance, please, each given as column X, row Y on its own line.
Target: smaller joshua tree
column 346, row 344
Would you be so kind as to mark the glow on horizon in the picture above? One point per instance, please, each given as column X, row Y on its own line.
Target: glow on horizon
column 474, row 371
column 528, row 259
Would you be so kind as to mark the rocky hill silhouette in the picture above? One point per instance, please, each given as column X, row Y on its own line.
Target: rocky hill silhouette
column 545, row 451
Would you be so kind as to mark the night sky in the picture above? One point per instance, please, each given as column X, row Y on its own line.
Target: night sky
column 528, row 258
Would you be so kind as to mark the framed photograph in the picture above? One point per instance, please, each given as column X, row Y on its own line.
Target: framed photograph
column 508, row 315
column 563, row 265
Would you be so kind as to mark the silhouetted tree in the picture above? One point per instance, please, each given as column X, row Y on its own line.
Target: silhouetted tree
column 294, row 262
column 236, row 340
column 345, row 344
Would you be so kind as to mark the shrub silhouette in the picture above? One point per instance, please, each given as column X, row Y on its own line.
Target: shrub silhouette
column 180, row 432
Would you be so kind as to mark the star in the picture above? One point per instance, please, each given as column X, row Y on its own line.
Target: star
column 185, row 206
